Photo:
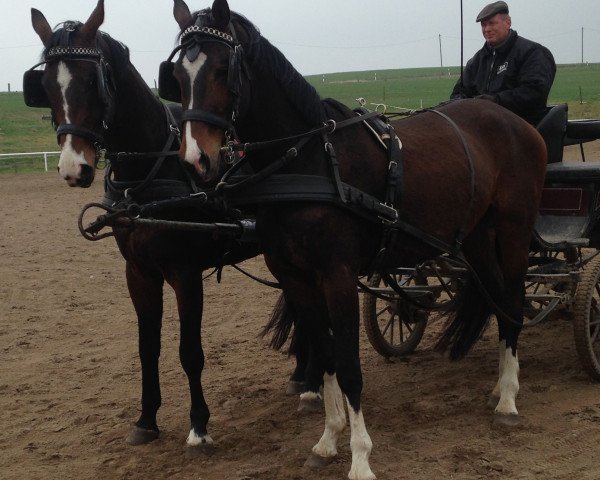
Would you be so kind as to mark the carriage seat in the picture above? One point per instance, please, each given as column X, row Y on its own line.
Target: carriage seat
column 568, row 205
column 553, row 128
column 581, row 131
column 573, row 172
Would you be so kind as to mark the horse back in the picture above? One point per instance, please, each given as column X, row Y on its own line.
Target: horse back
column 490, row 157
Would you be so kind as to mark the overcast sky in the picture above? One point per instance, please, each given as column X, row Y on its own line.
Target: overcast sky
column 317, row 36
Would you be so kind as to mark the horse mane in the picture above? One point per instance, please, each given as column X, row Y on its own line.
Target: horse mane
column 264, row 56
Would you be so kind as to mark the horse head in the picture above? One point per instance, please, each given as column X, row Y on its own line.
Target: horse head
column 209, row 74
column 77, row 85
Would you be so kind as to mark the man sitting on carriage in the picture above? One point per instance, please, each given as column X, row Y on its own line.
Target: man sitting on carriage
column 509, row 70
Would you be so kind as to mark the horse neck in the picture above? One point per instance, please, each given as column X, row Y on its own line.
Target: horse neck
column 279, row 96
column 272, row 115
column 140, row 122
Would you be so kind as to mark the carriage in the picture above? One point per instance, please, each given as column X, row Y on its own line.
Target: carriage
column 564, row 265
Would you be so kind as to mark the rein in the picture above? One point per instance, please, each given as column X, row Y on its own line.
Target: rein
column 329, row 126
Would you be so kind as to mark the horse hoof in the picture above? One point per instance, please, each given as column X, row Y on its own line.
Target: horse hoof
column 317, row 461
column 310, row 405
column 493, row 402
column 203, row 450
column 141, row 436
column 506, row 420
column 295, row 388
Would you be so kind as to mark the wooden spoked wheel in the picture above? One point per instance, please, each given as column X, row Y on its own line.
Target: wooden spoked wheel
column 394, row 327
column 586, row 318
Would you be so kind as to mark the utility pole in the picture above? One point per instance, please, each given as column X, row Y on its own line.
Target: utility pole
column 441, row 62
column 582, row 45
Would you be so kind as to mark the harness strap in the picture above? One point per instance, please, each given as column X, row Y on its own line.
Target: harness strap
column 78, row 131
column 460, row 235
column 262, row 174
column 207, row 117
column 329, row 127
column 335, row 170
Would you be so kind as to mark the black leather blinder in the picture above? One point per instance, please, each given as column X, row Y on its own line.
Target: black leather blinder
column 168, row 86
column 33, row 91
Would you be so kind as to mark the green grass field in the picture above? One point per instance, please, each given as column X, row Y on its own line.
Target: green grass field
column 24, row 129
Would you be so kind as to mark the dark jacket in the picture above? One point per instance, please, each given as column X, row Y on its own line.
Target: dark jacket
column 518, row 73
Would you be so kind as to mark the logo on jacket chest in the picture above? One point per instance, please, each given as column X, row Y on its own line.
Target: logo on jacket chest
column 502, row 68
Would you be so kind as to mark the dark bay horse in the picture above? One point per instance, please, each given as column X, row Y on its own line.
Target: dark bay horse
column 472, row 175
column 98, row 99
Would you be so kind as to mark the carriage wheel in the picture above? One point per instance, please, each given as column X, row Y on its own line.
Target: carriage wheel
column 586, row 319
column 394, row 328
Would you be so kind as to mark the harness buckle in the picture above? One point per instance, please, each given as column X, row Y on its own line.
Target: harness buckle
column 200, row 195
column 332, row 124
column 100, row 158
column 390, row 217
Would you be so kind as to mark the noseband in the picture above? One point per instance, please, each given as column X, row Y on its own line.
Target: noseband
column 191, row 40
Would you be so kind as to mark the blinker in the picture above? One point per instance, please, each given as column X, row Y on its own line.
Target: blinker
column 168, row 86
column 33, row 92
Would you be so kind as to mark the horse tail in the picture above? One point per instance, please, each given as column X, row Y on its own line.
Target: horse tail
column 280, row 325
column 467, row 321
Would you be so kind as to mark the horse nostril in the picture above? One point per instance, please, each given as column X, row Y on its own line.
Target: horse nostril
column 87, row 175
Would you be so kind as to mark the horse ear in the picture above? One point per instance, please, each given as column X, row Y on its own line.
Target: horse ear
column 41, row 26
column 182, row 14
column 92, row 24
column 221, row 13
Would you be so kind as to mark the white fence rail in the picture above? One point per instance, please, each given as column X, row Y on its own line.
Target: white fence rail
column 29, row 154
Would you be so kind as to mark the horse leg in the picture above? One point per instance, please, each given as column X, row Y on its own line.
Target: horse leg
column 322, row 363
column 299, row 348
column 335, row 422
column 311, row 399
column 342, row 304
column 189, row 293
column 145, row 289
column 501, row 260
column 513, row 252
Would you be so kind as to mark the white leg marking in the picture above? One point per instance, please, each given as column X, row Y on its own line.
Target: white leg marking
column 192, row 151
column 310, row 396
column 194, row 440
column 335, row 418
column 501, row 355
column 69, row 164
column 509, row 384
column 361, row 445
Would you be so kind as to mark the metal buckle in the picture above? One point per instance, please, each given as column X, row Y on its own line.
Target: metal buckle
column 331, row 124
column 388, row 221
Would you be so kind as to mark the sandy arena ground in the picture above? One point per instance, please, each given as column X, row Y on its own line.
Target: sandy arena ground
column 70, row 378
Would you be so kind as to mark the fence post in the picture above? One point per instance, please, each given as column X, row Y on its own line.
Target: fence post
column 46, row 160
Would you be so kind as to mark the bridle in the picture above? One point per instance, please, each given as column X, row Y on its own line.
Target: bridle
column 190, row 41
column 106, row 87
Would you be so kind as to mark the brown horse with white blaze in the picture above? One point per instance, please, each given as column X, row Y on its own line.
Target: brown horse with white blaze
column 99, row 101
column 472, row 177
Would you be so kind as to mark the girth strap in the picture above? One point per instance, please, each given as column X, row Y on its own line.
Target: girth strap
column 461, row 233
